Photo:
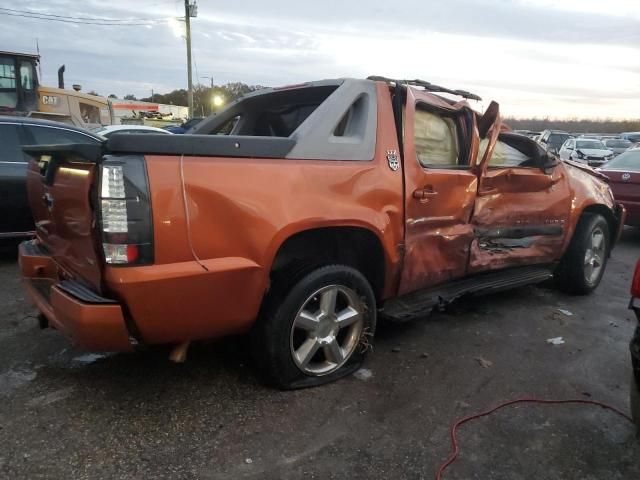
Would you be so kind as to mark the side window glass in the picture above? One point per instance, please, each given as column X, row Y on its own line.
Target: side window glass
column 46, row 135
column 11, row 148
column 89, row 113
column 511, row 151
column 436, row 140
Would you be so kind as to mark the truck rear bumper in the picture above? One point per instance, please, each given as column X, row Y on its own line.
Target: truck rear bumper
column 91, row 322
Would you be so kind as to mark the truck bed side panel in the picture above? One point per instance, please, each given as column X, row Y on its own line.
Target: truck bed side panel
column 241, row 210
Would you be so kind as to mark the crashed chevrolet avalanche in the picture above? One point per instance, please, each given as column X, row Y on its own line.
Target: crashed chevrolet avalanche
column 300, row 215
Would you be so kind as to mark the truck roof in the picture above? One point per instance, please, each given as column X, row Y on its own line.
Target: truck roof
column 32, row 56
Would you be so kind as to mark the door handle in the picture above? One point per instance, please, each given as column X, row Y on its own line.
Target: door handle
column 425, row 193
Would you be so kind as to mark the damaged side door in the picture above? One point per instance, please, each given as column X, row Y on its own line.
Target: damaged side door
column 523, row 202
column 441, row 143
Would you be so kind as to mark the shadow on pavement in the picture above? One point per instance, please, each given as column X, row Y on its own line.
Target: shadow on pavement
column 9, row 251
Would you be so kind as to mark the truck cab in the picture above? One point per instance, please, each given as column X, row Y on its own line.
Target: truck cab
column 18, row 83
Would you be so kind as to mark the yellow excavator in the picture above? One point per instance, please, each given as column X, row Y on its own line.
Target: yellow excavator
column 21, row 94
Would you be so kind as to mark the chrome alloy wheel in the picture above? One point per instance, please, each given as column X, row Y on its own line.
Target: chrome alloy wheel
column 594, row 256
column 326, row 330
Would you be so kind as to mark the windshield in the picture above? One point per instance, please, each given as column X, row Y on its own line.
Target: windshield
column 629, row 161
column 618, row 143
column 590, row 144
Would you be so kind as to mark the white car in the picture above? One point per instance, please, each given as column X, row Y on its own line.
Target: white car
column 111, row 129
column 585, row 150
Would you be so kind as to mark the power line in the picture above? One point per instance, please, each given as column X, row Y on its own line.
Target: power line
column 82, row 20
column 78, row 22
column 31, row 12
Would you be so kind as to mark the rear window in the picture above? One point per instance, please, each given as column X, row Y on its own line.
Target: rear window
column 617, row 143
column 629, row 161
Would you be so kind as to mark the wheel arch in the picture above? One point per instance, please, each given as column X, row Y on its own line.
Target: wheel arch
column 357, row 246
column 609, row 216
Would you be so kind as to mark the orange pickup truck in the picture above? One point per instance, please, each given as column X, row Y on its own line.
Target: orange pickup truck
column 299, row 215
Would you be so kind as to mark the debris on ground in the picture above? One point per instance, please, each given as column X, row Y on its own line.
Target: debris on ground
column 424, row 355
column 395, row 349
column 363, row 374
column 248, row 461
column 565, row 312
column 556, row 341
column 483, row 362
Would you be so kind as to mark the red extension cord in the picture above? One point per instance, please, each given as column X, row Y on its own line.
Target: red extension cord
column 458, row 423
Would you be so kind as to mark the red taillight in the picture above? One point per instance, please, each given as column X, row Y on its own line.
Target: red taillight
column 132, row 253
column 125, row 211
column 635, row 285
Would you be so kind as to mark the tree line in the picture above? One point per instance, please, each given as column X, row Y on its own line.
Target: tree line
column 574, row 125
column 202, row 96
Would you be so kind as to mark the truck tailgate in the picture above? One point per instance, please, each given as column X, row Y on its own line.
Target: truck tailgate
column 59, row 185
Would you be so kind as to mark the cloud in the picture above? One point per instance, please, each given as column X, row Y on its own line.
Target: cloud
column 565, row 57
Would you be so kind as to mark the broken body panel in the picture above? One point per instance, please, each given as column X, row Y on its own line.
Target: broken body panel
column 220, row 220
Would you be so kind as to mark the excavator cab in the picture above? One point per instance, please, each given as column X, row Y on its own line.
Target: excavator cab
column 18, row 83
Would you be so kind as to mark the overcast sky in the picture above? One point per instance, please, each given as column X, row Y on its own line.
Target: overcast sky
column 558, row 58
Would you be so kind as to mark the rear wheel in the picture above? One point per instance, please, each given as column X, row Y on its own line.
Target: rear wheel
column 315, row 328
column 583, row 264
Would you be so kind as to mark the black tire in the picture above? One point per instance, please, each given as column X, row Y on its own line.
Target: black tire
column 634, row 401
column 272, row 338
column 572, row 273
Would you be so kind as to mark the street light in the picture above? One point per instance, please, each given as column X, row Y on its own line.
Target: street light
column 218, row 100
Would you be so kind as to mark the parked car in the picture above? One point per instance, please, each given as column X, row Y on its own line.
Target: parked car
column 631, row 136
column 553, row 139
column 109, row 130
column 617, row 145
column 326, row 204
column 15, row 132
column 585, row 150
column 186, row 126
column 634, row 387
column 624, row 179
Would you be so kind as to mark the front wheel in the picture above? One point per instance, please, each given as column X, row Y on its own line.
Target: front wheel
column 583, row 264
column 315, row 328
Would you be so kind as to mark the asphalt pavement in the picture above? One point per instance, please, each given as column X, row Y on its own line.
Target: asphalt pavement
column 66, row 414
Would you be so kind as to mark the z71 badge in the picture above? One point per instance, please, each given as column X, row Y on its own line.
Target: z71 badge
column 392, row 158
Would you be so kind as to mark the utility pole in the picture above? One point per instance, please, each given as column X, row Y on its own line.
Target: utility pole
column 190, row 10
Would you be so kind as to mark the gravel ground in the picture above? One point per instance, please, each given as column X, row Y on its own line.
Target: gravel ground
column 72, row 415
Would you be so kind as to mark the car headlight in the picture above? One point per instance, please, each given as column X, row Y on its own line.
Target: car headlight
column 580, row 154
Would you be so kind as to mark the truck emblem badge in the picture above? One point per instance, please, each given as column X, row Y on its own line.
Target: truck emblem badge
column 392, row 158
column 626, row 176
